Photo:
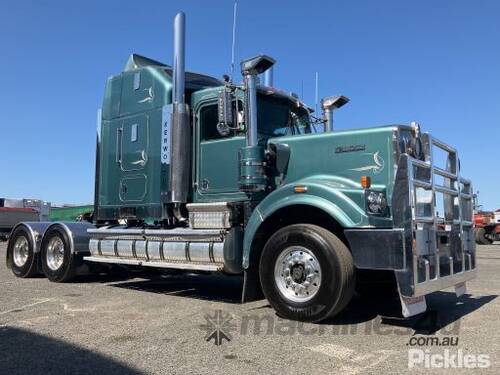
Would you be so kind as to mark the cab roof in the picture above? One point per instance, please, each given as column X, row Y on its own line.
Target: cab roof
column 194, row 81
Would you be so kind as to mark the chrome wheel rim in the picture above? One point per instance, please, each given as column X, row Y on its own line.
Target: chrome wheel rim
column 297, row 274
column 21, row 251
column 55, row 253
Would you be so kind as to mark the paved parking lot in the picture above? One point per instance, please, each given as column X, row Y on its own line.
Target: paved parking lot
column 160, row 324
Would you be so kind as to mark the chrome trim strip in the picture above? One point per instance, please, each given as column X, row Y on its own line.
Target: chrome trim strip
column 180, row 266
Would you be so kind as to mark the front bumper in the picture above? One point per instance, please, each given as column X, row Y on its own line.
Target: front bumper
column 432, row 245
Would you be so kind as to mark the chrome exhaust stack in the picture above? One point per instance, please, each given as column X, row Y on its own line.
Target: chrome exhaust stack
column 180, row 163
column 178, row 75
column 329, row 104
column 252, row 176
column 268, row 77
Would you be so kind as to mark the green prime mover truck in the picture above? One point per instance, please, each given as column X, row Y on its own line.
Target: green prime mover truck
column 203, row 175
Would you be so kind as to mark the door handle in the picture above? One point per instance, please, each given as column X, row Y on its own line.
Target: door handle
column 119, row 133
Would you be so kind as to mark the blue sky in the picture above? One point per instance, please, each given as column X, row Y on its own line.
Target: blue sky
column 437, row 62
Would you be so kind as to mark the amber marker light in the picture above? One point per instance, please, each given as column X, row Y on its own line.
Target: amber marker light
column 366, row 181
column 300, row 189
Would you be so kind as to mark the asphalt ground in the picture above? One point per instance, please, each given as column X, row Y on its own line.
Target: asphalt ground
column 157, row 324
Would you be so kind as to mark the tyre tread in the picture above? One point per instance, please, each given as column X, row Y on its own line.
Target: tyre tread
column 344, row 266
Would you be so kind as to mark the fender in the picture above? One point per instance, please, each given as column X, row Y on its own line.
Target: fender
column 342, row 199
column 77, row 234
column 35, row 230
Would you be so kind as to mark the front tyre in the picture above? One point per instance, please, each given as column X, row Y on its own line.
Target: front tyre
column 21, row 257
column 306, row 273
column 58, row 263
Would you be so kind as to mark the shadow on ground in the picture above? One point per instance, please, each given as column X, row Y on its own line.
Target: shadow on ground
column 199, row 286
column 444, row 308
column 25, row 352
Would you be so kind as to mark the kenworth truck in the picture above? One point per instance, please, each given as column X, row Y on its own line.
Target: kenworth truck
column 205, row 175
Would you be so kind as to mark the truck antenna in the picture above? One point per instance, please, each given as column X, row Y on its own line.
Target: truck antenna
column 234, row 38
column 316, row 94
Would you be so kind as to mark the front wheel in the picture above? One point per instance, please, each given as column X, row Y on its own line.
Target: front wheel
column 306, row 273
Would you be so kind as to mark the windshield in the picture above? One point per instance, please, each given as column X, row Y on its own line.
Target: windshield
column 278, row 117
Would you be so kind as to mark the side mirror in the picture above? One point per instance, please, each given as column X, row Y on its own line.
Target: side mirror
column 225, row 112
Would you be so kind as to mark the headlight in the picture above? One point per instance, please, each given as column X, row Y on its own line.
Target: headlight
column 376, row 202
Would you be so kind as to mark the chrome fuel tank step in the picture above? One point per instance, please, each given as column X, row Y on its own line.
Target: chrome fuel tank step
column 181, row 248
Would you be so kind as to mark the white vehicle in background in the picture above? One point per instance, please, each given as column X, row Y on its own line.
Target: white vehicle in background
column 13, row 211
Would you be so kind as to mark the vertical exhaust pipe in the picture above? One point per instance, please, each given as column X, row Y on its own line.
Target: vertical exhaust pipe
column 251, row 157
column 268, row 77
column 327, row 115
column 251, row 113
column 180, row 164
column 329, row 104
column 178, row 75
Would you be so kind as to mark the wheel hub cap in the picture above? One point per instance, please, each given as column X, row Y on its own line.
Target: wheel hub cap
column 297, row 274
column 55, row 253
column 21, row 251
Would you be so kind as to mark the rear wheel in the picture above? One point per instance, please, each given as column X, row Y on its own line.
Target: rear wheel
column 58, row 263
column 21, row 258
column 481, row 237
column 306, row 273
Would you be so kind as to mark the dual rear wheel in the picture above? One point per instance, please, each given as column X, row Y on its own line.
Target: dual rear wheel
column 55, row 258
column 58, row 262
column 21, row 256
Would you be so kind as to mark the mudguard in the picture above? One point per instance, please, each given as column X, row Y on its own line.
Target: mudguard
column 342, row 199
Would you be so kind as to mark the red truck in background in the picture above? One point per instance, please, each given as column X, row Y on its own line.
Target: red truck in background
column 487, row 227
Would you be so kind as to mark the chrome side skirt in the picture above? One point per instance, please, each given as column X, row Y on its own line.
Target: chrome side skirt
column 179, row 248
column 171, row 265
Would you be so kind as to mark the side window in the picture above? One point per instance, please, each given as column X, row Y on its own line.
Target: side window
column 209, row 118
column 208, row 123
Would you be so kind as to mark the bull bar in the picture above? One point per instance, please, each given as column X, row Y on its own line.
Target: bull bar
column 439, row 246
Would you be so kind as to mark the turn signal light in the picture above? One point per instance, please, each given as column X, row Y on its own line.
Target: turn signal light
column 366, row 182
column 300, row 189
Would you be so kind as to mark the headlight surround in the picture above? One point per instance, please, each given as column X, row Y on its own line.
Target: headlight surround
column 376, row 202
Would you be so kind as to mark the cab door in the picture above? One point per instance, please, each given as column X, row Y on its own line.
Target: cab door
column 217, row 163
